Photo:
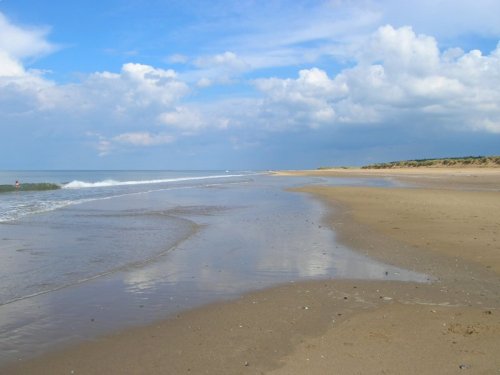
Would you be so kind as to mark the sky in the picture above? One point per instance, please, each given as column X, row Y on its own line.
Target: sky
column 249, row 84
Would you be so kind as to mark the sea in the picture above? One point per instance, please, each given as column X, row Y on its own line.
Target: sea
column 87, row 253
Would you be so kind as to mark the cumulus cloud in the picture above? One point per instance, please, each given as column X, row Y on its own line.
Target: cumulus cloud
column 137, row 85
column 398, row 74
column 122, row 96
column 395, row 75
column 401, row 50
column 308, row 97
column 101, row 103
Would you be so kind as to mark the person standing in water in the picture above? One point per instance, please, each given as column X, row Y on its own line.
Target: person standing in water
column 18, row 185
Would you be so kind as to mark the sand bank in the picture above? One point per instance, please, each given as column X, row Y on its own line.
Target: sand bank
column 351, row 326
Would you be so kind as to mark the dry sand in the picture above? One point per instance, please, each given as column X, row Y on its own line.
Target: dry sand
column 450, row 231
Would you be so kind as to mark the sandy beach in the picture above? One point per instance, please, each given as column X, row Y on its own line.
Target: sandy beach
column 447, row 225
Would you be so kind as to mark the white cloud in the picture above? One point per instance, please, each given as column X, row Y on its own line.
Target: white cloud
column 184, row 118
column 18, row 44
column 102, row 103
column 177, row 58
column 9, row 66
column 137, row 85
column 394, row 74
column 401, row 50
column 399, row 73
column 106, row 145
column 227, row 59
column 280, row 33
column 137, row 92
column 310, row 84
column 143, row 139
column 21, row 90
column 217, row 69
column 307, row 98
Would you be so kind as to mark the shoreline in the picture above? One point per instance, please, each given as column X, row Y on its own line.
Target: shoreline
column 479, row 178
column 350, row 325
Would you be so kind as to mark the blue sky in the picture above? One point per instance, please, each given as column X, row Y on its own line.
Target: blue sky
column 156, row 84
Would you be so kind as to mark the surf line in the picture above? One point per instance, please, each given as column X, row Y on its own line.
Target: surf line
column 66, row 203
column 109, row 183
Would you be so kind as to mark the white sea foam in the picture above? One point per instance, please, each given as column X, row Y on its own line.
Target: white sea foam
column 85, row 189
column 107, row 183
column 15, row 212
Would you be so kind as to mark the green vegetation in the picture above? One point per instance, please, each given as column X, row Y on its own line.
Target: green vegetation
column 324, row 168
column 468, row 161
column 29, row 187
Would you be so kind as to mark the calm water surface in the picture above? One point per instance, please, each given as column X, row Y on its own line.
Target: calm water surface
column 116, row 249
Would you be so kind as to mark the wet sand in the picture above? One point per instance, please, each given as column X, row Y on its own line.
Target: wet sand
column 448, row 227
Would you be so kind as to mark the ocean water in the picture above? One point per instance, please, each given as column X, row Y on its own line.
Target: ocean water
column 75, row 187
column 113, row 249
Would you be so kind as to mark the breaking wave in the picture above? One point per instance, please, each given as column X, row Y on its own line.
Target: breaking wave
column 107, row 183
column 39, row 186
